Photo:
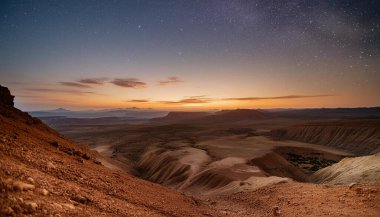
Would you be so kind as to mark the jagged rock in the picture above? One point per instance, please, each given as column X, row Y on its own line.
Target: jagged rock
column 276, row 210
column 55, row 144
column 68, row 205
column 44, row 192
column 30, row 180
column 50, row 166
column 224, row 212
column 30, row 206
column 21, row 186
column 81, row 199
column 57, row 205
column 77, row 153
column 5, row 96
column 8, row 211
column 86, row 156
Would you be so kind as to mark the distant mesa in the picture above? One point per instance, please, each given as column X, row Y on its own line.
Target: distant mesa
column 180, row 116
column 60, row 110
column 241, row 114
column 330, row 113
column 221, row 116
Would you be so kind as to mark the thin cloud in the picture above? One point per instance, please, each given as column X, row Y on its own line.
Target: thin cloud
column 75, row 84
column 97, row 81
column 276, row 97
column 138, row 100
column 27, row 96
column 129, row 83
column 170, row 80
column 190, row 100
column 59, row 91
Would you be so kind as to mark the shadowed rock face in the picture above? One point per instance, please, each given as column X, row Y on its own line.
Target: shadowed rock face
column 5, row 97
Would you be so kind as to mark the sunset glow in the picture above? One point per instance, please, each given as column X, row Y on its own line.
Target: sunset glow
column 190, row 55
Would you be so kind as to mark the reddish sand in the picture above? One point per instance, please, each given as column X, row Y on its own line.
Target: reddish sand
column 296, row 199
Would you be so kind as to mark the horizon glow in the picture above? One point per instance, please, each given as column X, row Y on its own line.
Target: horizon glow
column 190, row 55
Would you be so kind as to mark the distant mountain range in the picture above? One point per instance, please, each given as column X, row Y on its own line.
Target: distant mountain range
column 132, row 113
column 258, row 114
column 123, row 115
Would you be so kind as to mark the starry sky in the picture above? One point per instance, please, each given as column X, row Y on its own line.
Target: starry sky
column 198, row 54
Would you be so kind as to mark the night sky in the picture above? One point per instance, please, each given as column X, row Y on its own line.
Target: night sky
column 190, row 54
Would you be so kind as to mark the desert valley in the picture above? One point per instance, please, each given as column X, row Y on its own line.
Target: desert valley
column 189, row 108
column 228, row 163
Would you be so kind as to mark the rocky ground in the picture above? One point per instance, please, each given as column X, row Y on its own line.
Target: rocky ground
column 302, row 199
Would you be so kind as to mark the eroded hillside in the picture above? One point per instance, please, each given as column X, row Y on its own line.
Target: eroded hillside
column 44, row 174
column 228, row 171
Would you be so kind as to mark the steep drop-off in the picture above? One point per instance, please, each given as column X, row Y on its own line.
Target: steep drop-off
column 358, row 136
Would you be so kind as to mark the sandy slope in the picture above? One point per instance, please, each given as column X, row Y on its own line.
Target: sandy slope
column 364, row 169
column 296, row 199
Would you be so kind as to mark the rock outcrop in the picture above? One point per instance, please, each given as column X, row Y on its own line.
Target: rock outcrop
column 6, row 99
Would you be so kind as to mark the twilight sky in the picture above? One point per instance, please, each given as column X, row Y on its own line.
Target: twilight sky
column 194, row 54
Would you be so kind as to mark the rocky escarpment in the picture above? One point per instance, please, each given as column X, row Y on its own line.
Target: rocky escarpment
column 358, row 136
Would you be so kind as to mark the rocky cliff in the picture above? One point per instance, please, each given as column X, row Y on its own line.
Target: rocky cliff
column 358, row 136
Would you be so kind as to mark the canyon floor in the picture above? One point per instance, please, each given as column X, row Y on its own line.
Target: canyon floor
column 242, row 168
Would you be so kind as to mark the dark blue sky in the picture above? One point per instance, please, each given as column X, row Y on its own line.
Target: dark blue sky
column 214, row 49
